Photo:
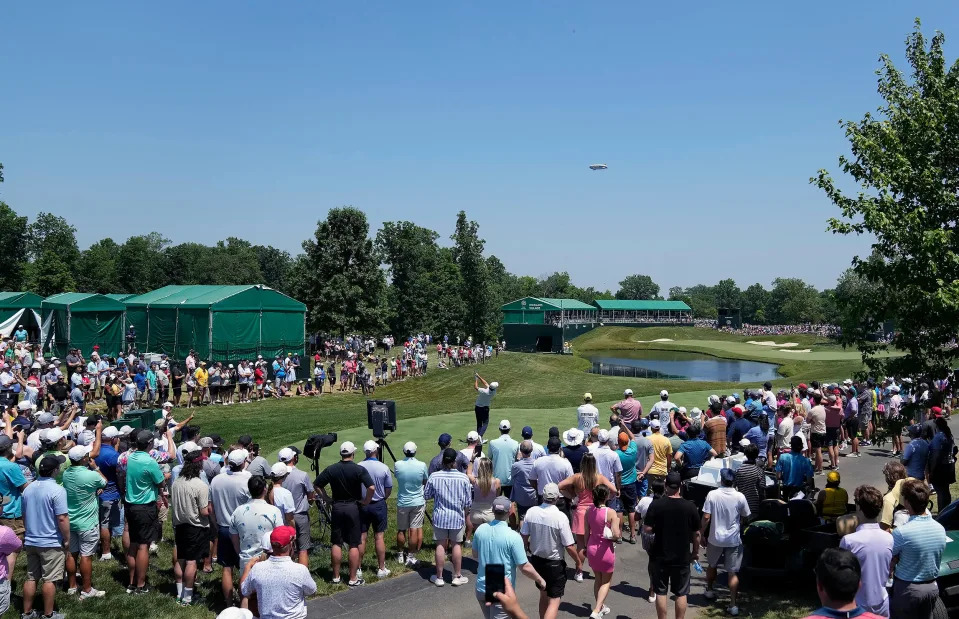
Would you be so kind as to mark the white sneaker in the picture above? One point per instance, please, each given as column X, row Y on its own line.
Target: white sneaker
column 401, row 557
column 578, row 577
column 106, row 557
column 72, row 591
column 412, row 562
column 92, row 593
column 733, row 610
column 459, row 580
column 605, row 610
column 359, row 573
column 436, row 580
column 709, row 594
column 153, row 548
column 383, row 573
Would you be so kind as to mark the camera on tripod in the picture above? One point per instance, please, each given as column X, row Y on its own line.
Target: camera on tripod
column 316, row 443
column 381, row 417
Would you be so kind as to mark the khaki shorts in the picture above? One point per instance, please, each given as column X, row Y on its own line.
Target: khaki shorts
column 410, row 517
column 45, row 564
column 733, row 557
column 454, row 535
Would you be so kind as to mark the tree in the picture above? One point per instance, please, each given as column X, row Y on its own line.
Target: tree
column 97, row 267
column 640, row 287
column 52, row 233
column 13, row 240
column 753, row 304
column 702, row 300
column 186, row 263
column 50, row 275
column 275, row 265
column 339, row 276
column 141, row 263
column 793, row 301
column 234, row 262
column 905, row 164
column 411, row 255
column 727, row 294
column 475, row 288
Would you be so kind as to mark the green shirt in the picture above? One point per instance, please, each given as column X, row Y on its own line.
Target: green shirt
column 143, row 476
column 83, row 508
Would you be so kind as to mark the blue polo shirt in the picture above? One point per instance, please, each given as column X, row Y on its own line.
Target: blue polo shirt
column 695, row 453
column 107, row 463
column 918, row 544
column 43, row 501
column 410, row 477
column 795, row 468
column 495, row 543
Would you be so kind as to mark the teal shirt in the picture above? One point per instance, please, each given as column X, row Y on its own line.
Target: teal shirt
column 495, row 543
column 152, row 380
column 795, row 468
column 11, row 478
column 83, row 508
column 502, row 451
column 410, row 477
column 143, row 476
column 628, row 458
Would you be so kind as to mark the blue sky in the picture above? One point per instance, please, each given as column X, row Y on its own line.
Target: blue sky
column 252, row 119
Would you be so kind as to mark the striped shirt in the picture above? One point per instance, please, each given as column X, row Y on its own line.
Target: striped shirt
column 452, row 494
column 918, row 544
column 751, row 481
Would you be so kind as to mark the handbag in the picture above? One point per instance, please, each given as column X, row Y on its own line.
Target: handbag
column 607, row 532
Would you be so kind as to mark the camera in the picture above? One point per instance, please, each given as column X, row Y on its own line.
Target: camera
column 381, row 417
column 316, row 442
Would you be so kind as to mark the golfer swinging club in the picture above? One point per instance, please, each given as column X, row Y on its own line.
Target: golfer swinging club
column 484, row 395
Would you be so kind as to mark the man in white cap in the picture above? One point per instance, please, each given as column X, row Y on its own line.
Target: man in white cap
column 474, row 449
column 252, row 520
column 547, row 534
column 351, row 487
column 662, row 411
column 227, row 492
column 484, row 396
column 411, row 476
column 502, row 451
column 83, row 481
column 298, row 483
column 629, row 408
column 587, row 415
column 280, row 496
column 374, row 514
column 607, row 461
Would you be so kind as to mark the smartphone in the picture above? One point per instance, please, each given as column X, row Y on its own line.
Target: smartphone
column 495, row 580
column 478, row 449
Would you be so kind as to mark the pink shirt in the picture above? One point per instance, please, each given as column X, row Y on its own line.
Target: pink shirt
column 9, row 543
column 630, row 409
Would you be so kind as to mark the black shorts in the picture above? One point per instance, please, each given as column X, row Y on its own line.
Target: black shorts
column 818, row 441
column 506, row 491
column 668, row 578
column 192, row 543
column 852, row 427
column 373, row 515
column 226, row 554
column 177, row 391
column 553, row 572
column 627, row 496
column 345, row 524
column 832, row 437
column 144, row 523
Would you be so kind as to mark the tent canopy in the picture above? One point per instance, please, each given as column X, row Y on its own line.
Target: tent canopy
column 82, row 320
column 83, row 302
column 20, row 300
column 219, row 322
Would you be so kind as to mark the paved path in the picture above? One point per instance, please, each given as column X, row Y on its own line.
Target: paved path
column 412, row 595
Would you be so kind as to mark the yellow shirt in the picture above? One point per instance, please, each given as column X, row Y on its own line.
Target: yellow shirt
column 835, row 502
column 662, row 453
column 202, row 376
column 889, row 503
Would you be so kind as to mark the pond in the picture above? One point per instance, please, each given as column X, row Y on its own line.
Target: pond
column 679, row 366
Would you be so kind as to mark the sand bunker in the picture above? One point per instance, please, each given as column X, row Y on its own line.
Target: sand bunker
column 803, row 350
column 662, row 339
column 783, row 345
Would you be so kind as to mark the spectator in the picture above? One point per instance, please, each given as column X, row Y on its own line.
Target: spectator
column 143, row 482
column 833, row 500
column 587, row 415
column 916, row 455
column 793, row 469
column 916, row 552
column 523, row 493
column 893, row 514
column 607, row 462
column 715, row 427
column 190, row 511
column 579, row 488
column 751, row 479
column 503, row 452
column 436, row 464
column 629, row 408
column 817, row 431
column 410, row 505
column 538, row 450
column 494, row 542
column 628, row 456
column 227, row 492
column 374, row 514
column 873, row 548
column 837, row 582
column 547, row 534
column 574, row 449
column 12, row 485
column 726, row 509
column 551, row 469
column 252, row 520
column 280, row 584
column 10, row 545
column 82, row 481
column 942, row 469
column 47, row 536
column 351, row 486
column 675, row 523
column 280, row 496
column 111, row 507
column 601, row 528
column 298, row 483
column 693, row 453
column 451, row 492
column 662, row 453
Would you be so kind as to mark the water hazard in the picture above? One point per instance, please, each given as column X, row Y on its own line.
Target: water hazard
column 680, row 366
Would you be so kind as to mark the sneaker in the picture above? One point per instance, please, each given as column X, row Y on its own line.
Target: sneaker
column 733, row 610
column 359, row 573
column 862, row 444
column 578, row 577
column 595, row 616
column 605, row 610
column 336, row 580
column 383, row 573
column 709, row 594
column 436, row 580
column 652, row 598
column 72, row 591
column 468, row 543
column 853, row 455
column 459, row 580
column 53, row 616
column 356, row 583
column 92, row 593
column 819, row 473
column 106, row 557
column 131, row 589
column 30, row 615
column 154, row 548
column 142, row 590
column 183, row 602
column 412, row 562
column 401, row 557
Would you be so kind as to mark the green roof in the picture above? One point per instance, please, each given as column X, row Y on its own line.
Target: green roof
column 118, row 296
column 224, row 298
column 651, row 306
column 83, row 301
column 20, row 300
column 537, row 304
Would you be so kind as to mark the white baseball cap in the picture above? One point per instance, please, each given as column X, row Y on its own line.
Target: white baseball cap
column 603, row 436
column 472, row 436
column 504, row 425
column 628, row 392
column 347, row 448
column 188, row 447
column 409, row 447
column 126, row 430
column 847, row 382
column 286, row 455
column 79, row 452
column 664, row 394
column 370, row 446
column 279, row 469
column 52, row 435
column 494, row 386
column 238, row 456
column 168, row 405
column 110, row 432
column 654, row 424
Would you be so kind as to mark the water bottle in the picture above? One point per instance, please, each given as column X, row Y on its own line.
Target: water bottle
column 697, row 567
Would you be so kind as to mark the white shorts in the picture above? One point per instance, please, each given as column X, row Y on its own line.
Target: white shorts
column 454, row 535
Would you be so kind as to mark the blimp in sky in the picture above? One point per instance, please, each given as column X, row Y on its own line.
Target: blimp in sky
column 597, row 166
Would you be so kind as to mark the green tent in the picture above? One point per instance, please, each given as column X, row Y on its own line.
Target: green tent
column 20, row 308
column 119, row 296
column 222, row 323
column 81, row 320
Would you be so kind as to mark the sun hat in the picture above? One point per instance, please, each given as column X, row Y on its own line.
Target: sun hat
column 347, row 448
column 573, row 437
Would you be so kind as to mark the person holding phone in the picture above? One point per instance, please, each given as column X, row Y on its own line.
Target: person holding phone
column 499, row 552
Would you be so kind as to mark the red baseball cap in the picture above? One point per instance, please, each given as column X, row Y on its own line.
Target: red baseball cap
column 937, row 411
column 802, row 387
column 282, row 536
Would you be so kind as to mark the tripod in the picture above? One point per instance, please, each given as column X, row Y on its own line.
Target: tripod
column 381, row 441
column 325, row 517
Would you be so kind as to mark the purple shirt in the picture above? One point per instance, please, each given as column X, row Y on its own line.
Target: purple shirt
column 873, row 547
column 9, row 543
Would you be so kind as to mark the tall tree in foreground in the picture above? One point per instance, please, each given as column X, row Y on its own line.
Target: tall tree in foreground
column 476, row 288
column 13, row 240
column 639, row 287
column 905, row 162
column 411, row 256
column 339, row 276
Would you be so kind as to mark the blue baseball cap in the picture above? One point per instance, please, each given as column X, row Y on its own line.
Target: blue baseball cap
column 727, row 475
column 527, row 432
column 444, row 440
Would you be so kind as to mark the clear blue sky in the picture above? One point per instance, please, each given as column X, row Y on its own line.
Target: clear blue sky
column 204, row 120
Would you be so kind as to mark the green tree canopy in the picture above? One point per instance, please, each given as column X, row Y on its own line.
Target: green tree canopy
column 13, row 240
column 638, row 287
column 475, row 286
